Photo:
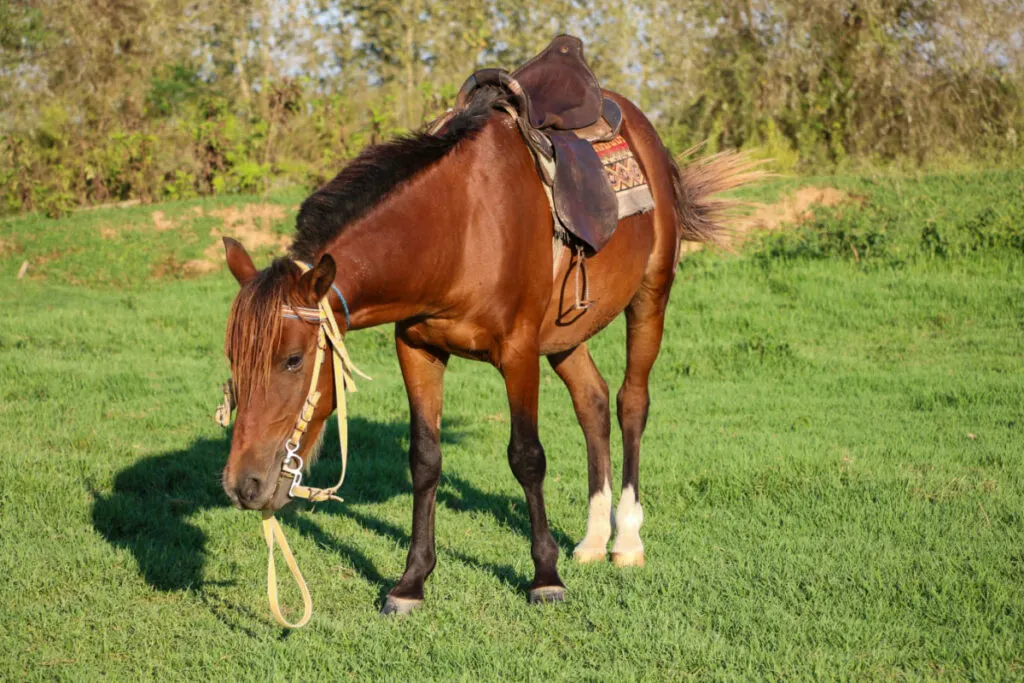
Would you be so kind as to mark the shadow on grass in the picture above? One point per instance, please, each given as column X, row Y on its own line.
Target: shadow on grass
column 152, row 500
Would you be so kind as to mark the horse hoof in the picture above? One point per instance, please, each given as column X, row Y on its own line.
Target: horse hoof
column 628, row 559
column 588, row 555
column 399, row 606
column 546, row 594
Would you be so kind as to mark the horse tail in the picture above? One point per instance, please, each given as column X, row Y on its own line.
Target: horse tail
column 701, row 215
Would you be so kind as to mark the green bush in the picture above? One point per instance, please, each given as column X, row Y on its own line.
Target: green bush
column 995, row 229
column 859, row 235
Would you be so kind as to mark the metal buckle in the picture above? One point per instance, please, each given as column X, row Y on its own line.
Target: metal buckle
column 294, row 470
column 222, row 416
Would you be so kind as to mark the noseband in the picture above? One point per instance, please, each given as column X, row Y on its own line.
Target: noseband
column 327, row 334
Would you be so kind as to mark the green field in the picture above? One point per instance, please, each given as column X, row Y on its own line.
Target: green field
column 832, row 472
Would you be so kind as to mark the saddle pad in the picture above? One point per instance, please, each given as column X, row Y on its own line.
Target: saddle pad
column 626, row 176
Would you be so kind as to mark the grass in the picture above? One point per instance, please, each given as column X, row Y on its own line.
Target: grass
column 831, row 473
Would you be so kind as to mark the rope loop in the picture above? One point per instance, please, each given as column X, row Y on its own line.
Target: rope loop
column 273, row 535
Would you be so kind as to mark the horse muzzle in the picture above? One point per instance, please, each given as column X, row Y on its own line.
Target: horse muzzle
column 251, row 488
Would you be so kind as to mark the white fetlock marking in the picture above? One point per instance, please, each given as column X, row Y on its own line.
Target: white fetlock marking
column 599, row 526
column 629, row 517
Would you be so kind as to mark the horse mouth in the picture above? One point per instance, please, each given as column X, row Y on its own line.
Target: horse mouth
column 279, row 498
column 266, row 493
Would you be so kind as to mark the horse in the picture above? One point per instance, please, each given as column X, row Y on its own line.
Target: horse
column 447, row 235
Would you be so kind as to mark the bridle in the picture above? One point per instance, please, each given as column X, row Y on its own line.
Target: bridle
column 328, row 335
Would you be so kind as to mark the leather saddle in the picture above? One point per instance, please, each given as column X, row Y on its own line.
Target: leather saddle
column 560, row 109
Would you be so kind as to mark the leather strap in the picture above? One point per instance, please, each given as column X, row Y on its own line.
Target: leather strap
column 272, row 534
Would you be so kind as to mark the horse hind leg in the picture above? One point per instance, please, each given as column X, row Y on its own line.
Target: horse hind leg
column 589, row 394
column 645, row 319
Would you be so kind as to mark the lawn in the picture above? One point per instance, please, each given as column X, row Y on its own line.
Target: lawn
column 832, row 472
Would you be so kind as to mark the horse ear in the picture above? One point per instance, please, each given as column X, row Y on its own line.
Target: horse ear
column 239, row 262
column 317, row 281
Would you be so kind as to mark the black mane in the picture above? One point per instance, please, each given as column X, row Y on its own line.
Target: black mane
column 378, row 170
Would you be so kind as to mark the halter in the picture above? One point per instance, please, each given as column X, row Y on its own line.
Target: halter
column 327, row 332
column 291, row 469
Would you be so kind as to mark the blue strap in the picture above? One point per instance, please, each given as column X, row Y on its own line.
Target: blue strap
column 344, row 304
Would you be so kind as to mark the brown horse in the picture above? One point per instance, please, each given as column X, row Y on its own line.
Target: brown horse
column 449, row 237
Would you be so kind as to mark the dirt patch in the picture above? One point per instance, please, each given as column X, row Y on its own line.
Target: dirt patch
column 251, row 224
column 161, row 223
column 198, row 267
column 10, row 248
column 791, row 211
column 35, row 270
column 172, row 268
column 796, row 208
column 107, row 232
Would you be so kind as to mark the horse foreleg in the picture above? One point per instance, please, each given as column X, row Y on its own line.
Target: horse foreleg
column 423, row 372
column 589, row 394
column 521, row 369
column 645, row 320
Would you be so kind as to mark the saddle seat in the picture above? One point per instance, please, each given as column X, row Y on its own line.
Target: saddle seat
column 563, row 92
column 561, row 111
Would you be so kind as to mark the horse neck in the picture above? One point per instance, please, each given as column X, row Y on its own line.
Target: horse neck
column 395, row 262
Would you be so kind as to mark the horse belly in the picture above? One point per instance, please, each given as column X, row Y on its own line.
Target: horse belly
column 613, row 277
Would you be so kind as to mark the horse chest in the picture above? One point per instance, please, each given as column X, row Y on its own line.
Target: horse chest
column 464, row 339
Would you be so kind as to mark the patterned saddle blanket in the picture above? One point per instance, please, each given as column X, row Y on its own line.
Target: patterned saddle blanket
column 626, row 177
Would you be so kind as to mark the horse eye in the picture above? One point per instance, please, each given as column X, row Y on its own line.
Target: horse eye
column 294, row 362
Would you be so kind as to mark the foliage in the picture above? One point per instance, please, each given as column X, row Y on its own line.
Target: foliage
column 205, row 148
column 846, row 234
column 102, row 102
column 872, row 235
column 831, row 475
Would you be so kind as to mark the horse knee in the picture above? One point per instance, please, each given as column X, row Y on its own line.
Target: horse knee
column 527, row 460
column 425, row 467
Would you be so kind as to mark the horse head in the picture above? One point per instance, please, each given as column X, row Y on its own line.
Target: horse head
column 272, row 348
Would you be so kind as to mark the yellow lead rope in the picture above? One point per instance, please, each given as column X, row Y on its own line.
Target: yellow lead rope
column 272, row 533
column 328, row 334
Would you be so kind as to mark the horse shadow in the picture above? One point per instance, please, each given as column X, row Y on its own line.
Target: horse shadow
column 149, row 509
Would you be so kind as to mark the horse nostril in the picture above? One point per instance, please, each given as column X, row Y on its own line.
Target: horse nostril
column 249, row 490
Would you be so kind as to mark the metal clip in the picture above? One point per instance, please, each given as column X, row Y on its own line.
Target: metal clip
column 294, row 470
